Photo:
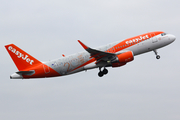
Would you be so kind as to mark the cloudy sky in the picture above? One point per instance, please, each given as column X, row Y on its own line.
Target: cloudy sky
column 146, row 88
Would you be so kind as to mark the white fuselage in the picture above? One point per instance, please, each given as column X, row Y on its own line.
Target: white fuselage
column 67, row 65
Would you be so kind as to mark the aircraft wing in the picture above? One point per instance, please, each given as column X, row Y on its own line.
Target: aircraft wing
column 97, row 54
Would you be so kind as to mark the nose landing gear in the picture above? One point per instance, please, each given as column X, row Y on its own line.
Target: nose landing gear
column 156, row 53
column 101, row 73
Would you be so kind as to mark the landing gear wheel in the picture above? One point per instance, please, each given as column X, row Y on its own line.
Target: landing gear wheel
column 105, row 71
column 100, row 74
column 157, row 57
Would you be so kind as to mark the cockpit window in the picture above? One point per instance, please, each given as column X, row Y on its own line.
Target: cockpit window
column 163, row 34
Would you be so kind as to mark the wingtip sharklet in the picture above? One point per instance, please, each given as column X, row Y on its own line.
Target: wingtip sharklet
column 83, row 45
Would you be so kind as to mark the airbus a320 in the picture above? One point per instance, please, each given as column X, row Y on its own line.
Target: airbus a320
column 115, row 54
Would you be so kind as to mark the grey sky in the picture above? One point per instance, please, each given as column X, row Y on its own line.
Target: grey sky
column 143, row 89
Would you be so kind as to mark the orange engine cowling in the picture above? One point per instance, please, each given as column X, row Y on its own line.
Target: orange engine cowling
column 123, row 58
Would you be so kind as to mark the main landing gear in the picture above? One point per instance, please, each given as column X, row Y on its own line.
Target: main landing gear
column 156, row 53
column 101, row 73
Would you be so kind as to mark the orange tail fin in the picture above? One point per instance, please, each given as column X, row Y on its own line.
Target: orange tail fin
column 21, row 59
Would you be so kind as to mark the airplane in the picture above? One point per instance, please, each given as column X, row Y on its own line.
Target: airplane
column 115, row 54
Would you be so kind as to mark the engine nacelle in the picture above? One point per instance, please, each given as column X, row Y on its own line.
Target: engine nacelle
column 123, row 58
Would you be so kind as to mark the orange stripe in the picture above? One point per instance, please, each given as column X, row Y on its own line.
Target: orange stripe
column 88, row 62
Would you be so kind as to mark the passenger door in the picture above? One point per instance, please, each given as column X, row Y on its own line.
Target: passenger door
column 154, row 39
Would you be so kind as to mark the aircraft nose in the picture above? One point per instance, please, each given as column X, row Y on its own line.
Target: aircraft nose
column 172, row 38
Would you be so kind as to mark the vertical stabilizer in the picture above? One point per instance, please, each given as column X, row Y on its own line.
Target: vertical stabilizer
column 21, row 59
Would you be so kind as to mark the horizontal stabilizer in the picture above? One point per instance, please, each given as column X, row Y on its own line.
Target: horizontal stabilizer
column 31, row 72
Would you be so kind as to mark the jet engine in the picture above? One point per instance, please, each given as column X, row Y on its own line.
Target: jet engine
column 122, row 59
